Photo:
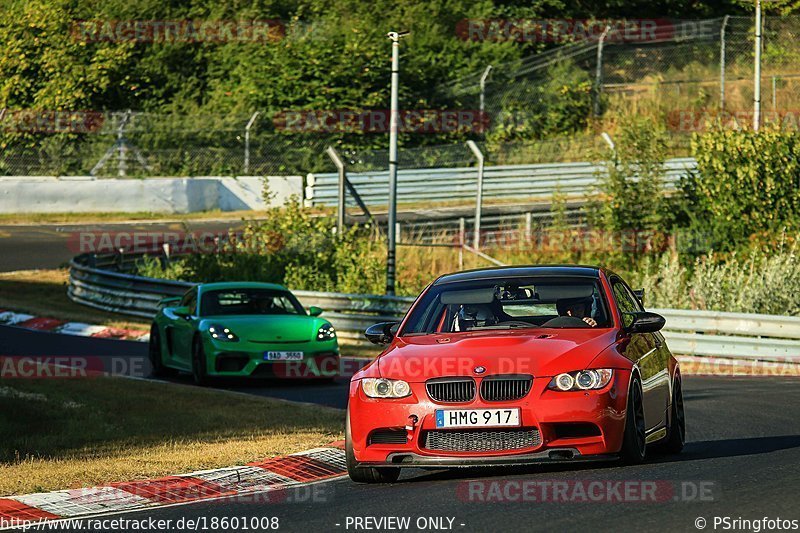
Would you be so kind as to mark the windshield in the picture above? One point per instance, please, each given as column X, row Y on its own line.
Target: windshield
column 249, row 302
column 511, row 303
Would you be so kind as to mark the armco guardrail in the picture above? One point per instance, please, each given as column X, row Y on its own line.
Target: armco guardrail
column 704, row 333
column 502, row 181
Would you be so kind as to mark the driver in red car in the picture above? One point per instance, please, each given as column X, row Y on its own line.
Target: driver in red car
column 577, row 308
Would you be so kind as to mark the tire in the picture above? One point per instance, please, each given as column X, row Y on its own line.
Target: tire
column 634, row 443
column 154, row 353
column 677, row 426
column 365, row 474
column 199, row 372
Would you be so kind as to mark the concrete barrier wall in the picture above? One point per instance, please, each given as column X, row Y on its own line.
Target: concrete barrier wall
column 23, row 194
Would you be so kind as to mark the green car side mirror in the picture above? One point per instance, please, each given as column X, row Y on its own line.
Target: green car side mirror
column 314, row 310
column 183, row 311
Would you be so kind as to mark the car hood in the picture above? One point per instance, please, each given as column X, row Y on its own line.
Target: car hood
column 268, row 328
column 547, row 352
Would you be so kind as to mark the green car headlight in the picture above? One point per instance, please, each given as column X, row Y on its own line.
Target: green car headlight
column 326, row 333
column 221, row 333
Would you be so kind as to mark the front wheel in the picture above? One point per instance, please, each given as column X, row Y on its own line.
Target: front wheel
column 365, row 474
column 199, row 372
column 154, row 353
column 634, row 443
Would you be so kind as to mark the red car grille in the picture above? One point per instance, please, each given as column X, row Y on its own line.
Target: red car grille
column 482, row 440
column 505, row 388
column 451, row 390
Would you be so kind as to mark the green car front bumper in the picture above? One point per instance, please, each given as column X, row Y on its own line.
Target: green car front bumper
column 320, row 359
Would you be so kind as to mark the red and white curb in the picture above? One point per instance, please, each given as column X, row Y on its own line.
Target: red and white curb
column 262, row 477
column 53, row 325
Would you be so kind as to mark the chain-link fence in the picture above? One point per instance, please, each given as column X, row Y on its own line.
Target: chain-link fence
column 549, row 107
column 682, row 75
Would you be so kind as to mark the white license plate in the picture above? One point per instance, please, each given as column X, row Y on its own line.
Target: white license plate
column 470, row 418
column 283, row 356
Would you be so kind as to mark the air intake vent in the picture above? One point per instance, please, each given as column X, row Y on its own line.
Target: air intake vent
column 505, row 388
column 388, row 436
column 451, row 390
column 482, row 440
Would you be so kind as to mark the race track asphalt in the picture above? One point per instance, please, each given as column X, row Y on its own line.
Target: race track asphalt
column 741, row 461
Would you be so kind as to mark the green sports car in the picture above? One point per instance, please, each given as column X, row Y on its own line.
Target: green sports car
column 242, row 330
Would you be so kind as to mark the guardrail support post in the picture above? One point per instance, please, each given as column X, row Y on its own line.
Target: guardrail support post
column 528, row 225
column 476, row 239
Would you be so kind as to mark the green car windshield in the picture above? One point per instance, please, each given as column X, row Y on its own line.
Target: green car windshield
column 249, row 302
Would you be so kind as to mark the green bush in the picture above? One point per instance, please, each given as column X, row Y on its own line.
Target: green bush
column 631, row 188
column 746, row 183
column 766, row 281
column 561, row 104
column 289, row 246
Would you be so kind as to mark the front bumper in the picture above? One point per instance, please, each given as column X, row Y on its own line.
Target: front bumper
column 246, row 359
column 546, row 411
column 554, row 455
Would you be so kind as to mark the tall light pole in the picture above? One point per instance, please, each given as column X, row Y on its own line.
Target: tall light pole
column 757, row 69
column 393, row 126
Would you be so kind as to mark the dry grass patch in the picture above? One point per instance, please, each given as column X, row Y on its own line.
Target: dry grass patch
column 72, row 433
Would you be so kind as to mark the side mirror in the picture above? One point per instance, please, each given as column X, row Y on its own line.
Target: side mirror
column 639, row 295
column 643, row 322
column 314, row 310
column 171, row 300
column 183, row 311
column 381, row 333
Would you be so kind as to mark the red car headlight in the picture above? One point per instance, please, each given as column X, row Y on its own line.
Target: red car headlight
column 582, row 380
column 385, row 388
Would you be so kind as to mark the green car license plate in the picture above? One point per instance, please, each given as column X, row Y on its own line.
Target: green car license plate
column 283, row 356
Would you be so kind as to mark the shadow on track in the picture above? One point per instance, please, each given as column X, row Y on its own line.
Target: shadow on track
column 693, row 451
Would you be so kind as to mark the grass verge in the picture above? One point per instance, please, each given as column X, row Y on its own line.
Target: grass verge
column 44, row 293
column 73, row 433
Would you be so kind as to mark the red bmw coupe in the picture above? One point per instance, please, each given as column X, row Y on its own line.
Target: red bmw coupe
column 511, row 366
